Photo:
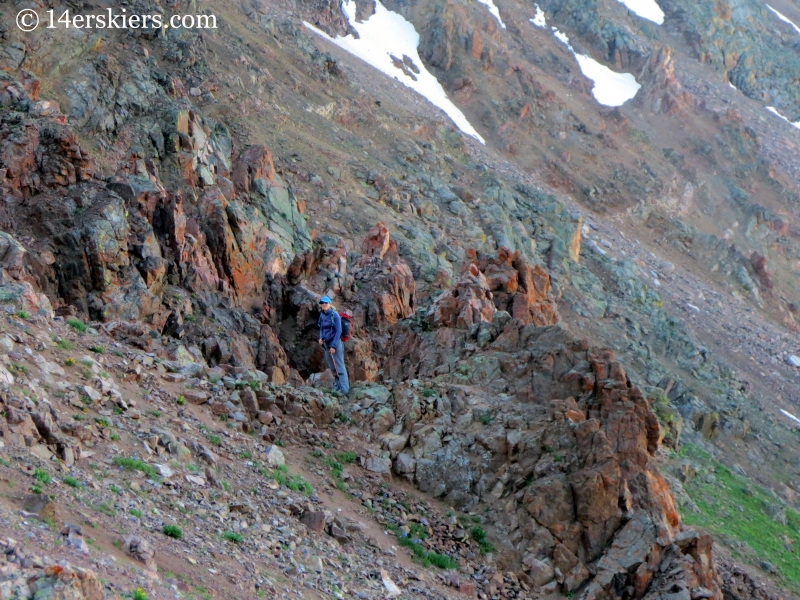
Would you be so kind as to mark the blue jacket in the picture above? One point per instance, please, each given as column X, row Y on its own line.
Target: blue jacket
column 330, row 327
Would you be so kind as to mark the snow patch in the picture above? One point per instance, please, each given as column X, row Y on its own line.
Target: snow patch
column 610, row 88
column 791, row 416
column 784, row 18
column 647, row 9
column 538, row 17
column 493, row 9
column 389, row 43
column 775, row 112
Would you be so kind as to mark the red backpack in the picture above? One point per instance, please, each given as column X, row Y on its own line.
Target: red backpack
column 347, row 326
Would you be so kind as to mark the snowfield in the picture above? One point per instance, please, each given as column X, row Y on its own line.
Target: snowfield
column 389, row 43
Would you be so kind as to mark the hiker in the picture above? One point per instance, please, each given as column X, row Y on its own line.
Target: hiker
column 330, row 338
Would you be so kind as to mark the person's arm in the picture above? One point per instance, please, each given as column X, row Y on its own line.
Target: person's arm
column 319, row 327
column 337, row 323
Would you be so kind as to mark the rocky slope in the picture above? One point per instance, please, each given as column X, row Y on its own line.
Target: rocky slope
column 193, row 192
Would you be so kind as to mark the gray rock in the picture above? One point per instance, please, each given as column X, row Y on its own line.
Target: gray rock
column 405, row 463
column 541, row 571
column 378, row 465
column 274, row 457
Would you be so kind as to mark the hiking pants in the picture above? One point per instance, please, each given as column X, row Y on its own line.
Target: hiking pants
column 336, row 365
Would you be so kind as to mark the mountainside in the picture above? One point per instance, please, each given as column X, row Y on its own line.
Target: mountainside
column 574, row 349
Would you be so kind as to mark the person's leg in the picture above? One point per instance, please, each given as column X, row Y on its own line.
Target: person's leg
column 330, row 361
column 342, row 381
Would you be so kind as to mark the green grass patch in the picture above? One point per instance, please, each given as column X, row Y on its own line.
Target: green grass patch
column 133, row 464
column 42, row 476
column 479, row 535
column 296, row 483
column 486, row 419
column 18, row 368
column 735, row 509
column 72, row 481
column 232, row 537
column 346, row 457
column 136, row 513
column 139, row 594
column 172, row 531
column 97, row 349
column 413, row 541
column 214, row 439
column 106, row 508
column 23, row 315
column 77, row 325
column 65, row 345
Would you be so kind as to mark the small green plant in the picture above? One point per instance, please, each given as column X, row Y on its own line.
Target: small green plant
column 346, row 457
column 133, row 464
column 136, row 513
column 232, row 537
column 5, row 463
column 115, row 489
column 42, row 476
column 486, row 419
column 114, row 436
column 102, row 422
column 72, row 481
column 35, row 488
column 225, row 486
column 77, row 325
column 172, row 531
column 245, row 455
column 192, row 468
column 97, row 349
column 180, row 400
column 69, row 361
column 117, row 410
column 479, row 535
column 106, row 508
column 155, row 413
column 23, row 315
column 139, row 594
column 214, row 439
column 413, row 540
column 428, row 393
column 18, row 368
column 316, row 453
column 296, row 483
